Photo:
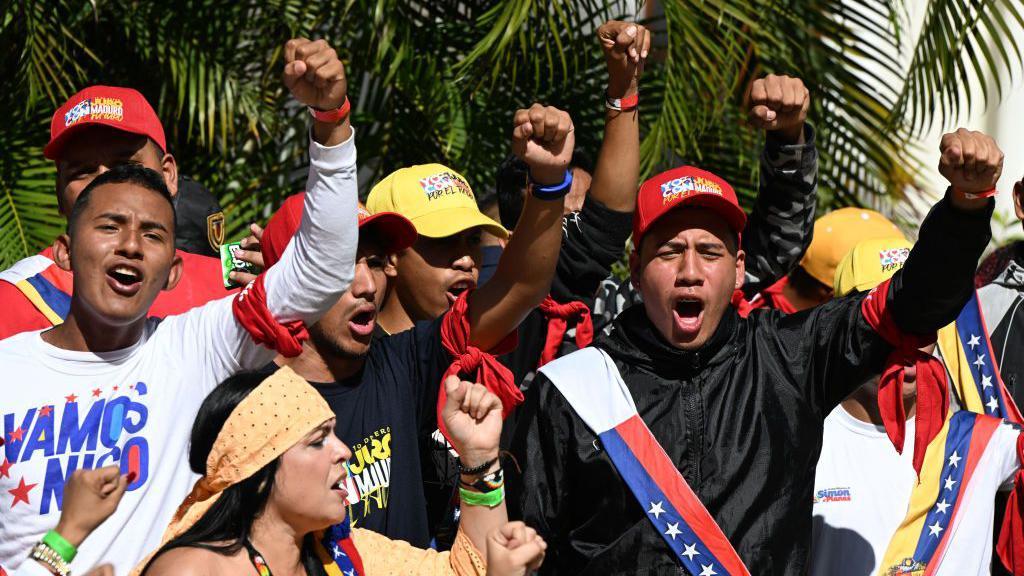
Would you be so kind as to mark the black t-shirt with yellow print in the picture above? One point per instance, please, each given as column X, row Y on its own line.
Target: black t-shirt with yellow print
column 385, row 415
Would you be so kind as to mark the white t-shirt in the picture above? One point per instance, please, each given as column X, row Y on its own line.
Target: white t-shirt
column 862, row 490
column 63, row 410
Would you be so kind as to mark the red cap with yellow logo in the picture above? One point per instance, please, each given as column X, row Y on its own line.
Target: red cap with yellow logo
column 689, row 187
column 120, row 108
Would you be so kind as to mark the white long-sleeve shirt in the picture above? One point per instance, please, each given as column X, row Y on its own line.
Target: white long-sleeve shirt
column 63, row 410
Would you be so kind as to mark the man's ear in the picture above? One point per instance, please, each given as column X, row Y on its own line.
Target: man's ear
column 175, row 274
column 1018, row 200
column 170, row 169
column 741, row 268
column 390, row 266
column 62, row 252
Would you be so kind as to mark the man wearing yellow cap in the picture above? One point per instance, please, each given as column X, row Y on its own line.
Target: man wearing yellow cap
column 871, row 515
column 810, row 283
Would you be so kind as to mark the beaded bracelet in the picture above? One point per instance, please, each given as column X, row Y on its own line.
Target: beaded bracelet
column 476, row 469
column 48, row 556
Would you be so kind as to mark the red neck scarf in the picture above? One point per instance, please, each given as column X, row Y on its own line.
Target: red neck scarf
column 250, row 308
column 479, row 366
column 932, row 385
column 770, row 297
column 558, row 316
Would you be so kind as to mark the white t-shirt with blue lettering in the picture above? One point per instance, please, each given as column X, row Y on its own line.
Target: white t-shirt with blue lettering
column 64, row 410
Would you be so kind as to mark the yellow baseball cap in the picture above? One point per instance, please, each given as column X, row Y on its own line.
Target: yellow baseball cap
column 836, row 233
column 437, row 200
column 870, row 263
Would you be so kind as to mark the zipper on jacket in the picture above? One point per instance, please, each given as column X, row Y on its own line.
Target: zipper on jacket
column 694, row 429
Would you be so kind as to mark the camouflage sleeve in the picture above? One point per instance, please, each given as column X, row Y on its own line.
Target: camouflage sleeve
column 781, row 224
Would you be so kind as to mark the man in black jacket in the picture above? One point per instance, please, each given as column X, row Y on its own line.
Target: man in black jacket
column 737, row 404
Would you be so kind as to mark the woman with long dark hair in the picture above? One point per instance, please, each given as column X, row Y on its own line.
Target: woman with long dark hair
column 272, row 496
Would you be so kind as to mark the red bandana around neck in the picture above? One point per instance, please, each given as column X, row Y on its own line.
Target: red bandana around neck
column 932, row 385
column 558, row 316
column 479, row 366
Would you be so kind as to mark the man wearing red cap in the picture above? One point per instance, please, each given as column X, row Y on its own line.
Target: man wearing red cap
column 686, row 439
column 110, row 385
column 385, row 390
column 95, row 130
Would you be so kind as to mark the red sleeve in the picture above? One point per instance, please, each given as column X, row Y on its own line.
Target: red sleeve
column 201, row 282
column 19, row 314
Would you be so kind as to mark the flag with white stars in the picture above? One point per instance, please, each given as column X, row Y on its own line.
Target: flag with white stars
column 971, row 361
column 338, row 552
column 934, row 503
column 593, row 387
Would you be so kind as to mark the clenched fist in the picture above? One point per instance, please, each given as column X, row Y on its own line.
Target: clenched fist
column 780, row 103
column 314, row 74
column 971, row 161
column 514, row 549
column 472, row 415
column 90, row 497
column 625, row 47
column 543, row 138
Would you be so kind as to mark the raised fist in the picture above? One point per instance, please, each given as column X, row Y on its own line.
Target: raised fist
column 971, row 161
column 472, row 415
column 90, row 497
column 625, row 47
column 543, row 138
column 514, row 549
column 779, row 103
column 314, row 74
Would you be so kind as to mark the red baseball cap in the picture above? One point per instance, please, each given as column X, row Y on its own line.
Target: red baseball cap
column 688, row 187
column 393, row 230
column 121, row 108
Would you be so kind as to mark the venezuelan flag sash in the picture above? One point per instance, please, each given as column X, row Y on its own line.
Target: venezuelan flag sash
column 918, row 545
column 47, row 287
column 591, row 383
column 971, row 360
column 337, row 551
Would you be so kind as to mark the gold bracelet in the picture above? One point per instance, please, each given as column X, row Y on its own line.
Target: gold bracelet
column 43, row 553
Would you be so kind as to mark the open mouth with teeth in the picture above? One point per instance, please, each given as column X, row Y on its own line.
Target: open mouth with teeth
column 339, row 487
column 363, row 322
column 688, row 316
column 124, row 280
column 456, row 290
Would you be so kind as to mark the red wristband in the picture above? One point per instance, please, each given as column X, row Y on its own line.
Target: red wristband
column 332, row 116
column 976, row 195
column 623, row 104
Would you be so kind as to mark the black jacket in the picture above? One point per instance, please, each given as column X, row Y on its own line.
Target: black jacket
column 741, row 418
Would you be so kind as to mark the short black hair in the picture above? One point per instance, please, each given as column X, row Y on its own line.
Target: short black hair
column 122, row 174
column 513, row 177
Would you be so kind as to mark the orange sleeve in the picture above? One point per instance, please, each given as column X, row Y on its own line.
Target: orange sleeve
column 382, row 556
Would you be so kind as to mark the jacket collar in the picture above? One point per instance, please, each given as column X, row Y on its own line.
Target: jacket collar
column 1013, row 275
column 636, row 341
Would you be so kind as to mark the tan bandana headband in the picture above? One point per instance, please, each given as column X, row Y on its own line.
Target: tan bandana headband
column 278, row 413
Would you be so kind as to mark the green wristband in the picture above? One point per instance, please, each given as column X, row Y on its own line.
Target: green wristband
column 489, row 499
column 58, row 544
